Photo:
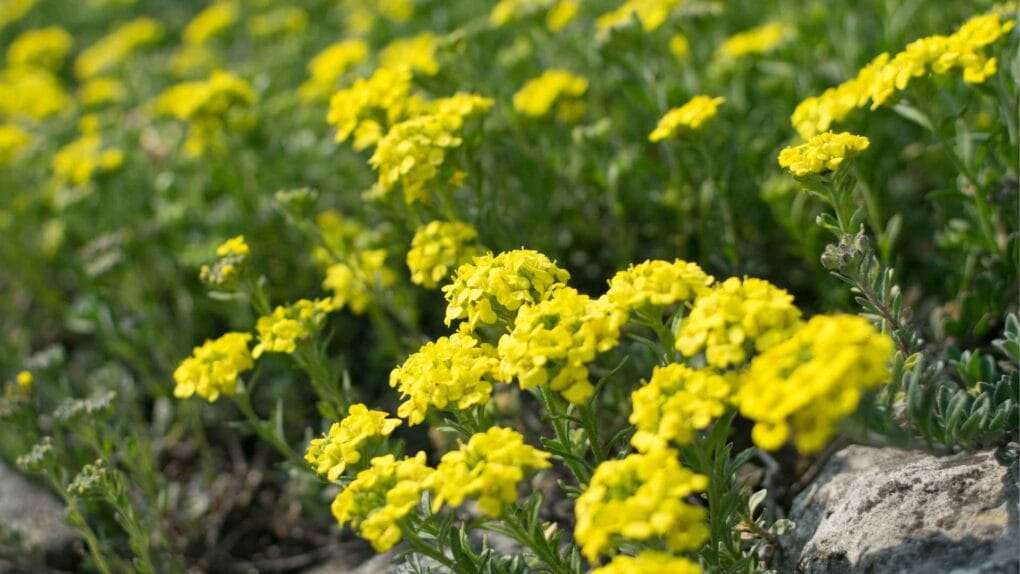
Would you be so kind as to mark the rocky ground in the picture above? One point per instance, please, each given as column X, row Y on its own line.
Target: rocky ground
column 868, row 510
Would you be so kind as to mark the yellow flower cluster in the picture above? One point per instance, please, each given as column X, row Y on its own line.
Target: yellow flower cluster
column 330, row 454
column 507, row 10
column 649, row 562
column 231, row 255
column 285, row 20
column 117, row 46
column 538, row 95
column 329, row 65
column 679, row 46
column 79, row 161
column 822, row 153
column 561, row 14
column 41, row 48
column 412, row 151
column 280, row 331
column 651, row 14
column 207, row 107
column 375, row 501
column 31, row 93
column 213, row 20
column 455, row 370
column 416, row 52
column 437, row 249
column 675, row 403
column 101, row 90
column 371, row 105
column 12, row 140
column 24, row 379
column 658, row 283
column 488, row 468
column 884, row 76
column 809, row 382
column 689, row 116
column 493, row 287
column 736, row 318
column 213, row 368
column 353, row 280
column 553, row 341
column 641, row 498
column 13, row 10
column 758, row 40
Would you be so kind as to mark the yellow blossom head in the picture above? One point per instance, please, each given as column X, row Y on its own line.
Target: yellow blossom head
column 329, row 65
column 736, row 319
column 538, row 95
column 375, row 501
column 416, row 52
column 213, row 368
column 488, row 468
column 78, row 162
column 331, row 454
column 40, row 48
column 371, row 105
column 758, row 40
column 808, row 383
column 553, row 341
column 286, row 326
column 690, row 117
column 437, row 249
column 649, row 562
column 455, row 372
column 658, row 283
column 100, row 91
column 117, row 46
column 12, row 140
column 561, row 14
column 281, row 21
column 822, row 153
column 640, row 498
column 231, row 255
column 353, row 281
column 650, row 13
column 493, row 287
column 32, row 93
column 24, row 379
column 674, row 404
column 213, row 20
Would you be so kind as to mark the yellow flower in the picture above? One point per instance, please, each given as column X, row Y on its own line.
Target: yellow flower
column 208, row 106
column 689, row 116
column 190, row 61
column 231, row 254
column 31, row 93
column 285, row 20
column 280, row 331
column 493, row 287
column 343, row 444
column 353, row 281
column 451, row 372
column 116, row 46
column 375, row 501
column 12, row 140
column 676, row 403
column 488, row 468
column 13, row 10
column 737, row 318
column 640, row 498
column 538, row 95
column 24, row 379
column 100, row 91
column 659, row 283
column 330, row 65
column 561, row 14
column 412, row 151
column 371, row 105
column 416, row 52
column 651, row 14
column 210, row 22
column 507, row 10
column 649, row 562
column 886, row 75
column 811, row 381
column 40, row 48
column 79, row 161
column 553, row 341
column 822, row 153
column 758, row 40
column 439, row 248
column 213, row 368
column 679, row 46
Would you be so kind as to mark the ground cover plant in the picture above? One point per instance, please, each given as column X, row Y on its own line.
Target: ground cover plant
column 609, row 280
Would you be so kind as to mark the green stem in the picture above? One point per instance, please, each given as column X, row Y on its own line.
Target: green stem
column 420, row 546
column 263, row 430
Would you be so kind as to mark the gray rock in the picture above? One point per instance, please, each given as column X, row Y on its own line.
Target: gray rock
column 34, row 519
column 888, row 510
